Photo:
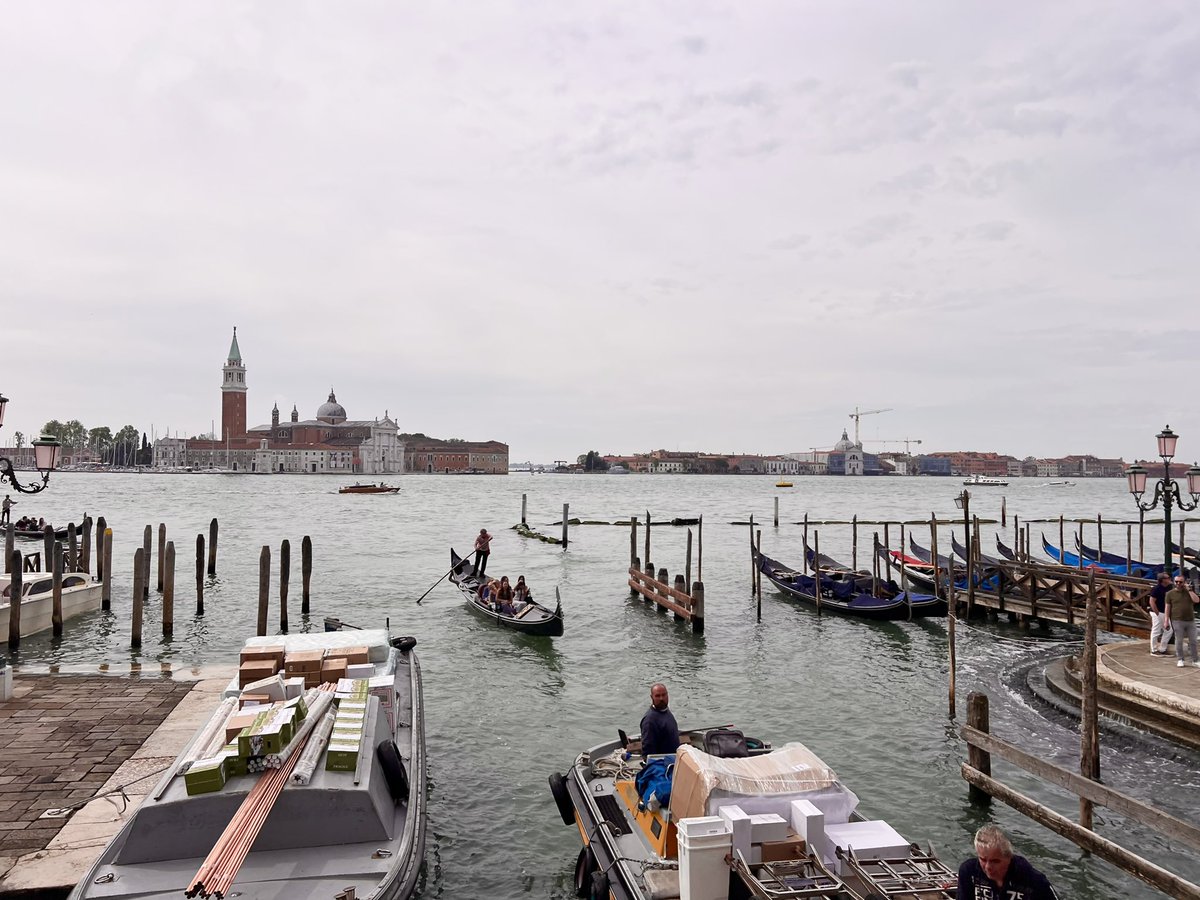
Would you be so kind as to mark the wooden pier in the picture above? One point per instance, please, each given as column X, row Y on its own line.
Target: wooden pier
column 655, row 587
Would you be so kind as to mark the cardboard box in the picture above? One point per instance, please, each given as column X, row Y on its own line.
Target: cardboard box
column 342, row 756
column 254, row 670
column 293, row 687
column 349, row 654
column 269, row 654
column 235, row 765
column 271, row 731
column 236, row 722
column 353, row 689
column 303, row 662
column 792, row 847
column 299, row 705
column 268, row 687
column 252, row 701
column 205, row 776
column 333, row 670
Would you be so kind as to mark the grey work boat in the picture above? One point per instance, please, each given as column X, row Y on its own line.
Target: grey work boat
column 362, row 829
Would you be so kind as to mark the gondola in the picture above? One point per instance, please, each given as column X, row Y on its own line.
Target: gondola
column 1074, row 560
column 961, row 552
column 532, row 619
column 1135, row 566
column 1006, row 551
column 849, row 593
column 36, row 534
column 926, row 556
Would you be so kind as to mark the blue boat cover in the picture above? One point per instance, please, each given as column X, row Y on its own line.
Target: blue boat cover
column 655, row 778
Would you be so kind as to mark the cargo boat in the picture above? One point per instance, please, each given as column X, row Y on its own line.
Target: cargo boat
column 351, row 830
column 734, row 818
column 79, row 595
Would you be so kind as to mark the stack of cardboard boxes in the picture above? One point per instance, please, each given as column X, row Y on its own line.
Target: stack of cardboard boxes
column 250, row 736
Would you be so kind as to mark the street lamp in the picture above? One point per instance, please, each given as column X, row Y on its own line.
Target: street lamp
column 45, row 454
column 963, row 502
column 1166, row 490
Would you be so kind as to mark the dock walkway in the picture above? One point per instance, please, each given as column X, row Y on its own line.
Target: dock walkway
column 66, row 738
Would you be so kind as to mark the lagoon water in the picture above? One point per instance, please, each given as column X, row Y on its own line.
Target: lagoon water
column 504, row 710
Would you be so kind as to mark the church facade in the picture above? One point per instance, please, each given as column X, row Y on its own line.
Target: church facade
column 328, row 443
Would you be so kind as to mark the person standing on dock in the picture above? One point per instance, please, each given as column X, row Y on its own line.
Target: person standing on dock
column 1181, row 615
column 483, row 547
column 660, row 731
column 996, row 873
column 1160, row 635
column 6, row 510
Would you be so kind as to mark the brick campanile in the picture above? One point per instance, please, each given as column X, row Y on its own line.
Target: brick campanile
column 233, row 395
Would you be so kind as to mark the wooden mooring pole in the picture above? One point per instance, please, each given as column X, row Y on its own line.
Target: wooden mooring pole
column 854, row 542
column 687, row 568
column 212, row 547
column 56, row 588
column 305, row 572
column 1003, row 512
column 10, row 544
column 200, row 574
column 524, row 501
column 646, row 556
column 700, row 555
column 817, row 568
column 264, row 588
column 14, row 611
column 147, row 537
column 139, row 592
column 285, row 564
column 1089, row 733
column 168, row 593
column 162, row 554
column 758, row 578
column 566, row 512
column 777, row 512
column 106, row 563
column 977, row 758
column 85, row 552
column 71, row 563
column 804, row 561
column 101, row 562
column 48, row 546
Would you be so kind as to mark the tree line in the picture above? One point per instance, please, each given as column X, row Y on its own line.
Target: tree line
column 128, row 447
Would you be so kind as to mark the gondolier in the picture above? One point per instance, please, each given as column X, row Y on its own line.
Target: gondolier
column 483, row 547
column 5, row 510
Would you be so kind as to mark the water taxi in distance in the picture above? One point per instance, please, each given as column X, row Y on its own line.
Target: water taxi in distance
column 783, row 484
column 380, row 488
column 985, row 481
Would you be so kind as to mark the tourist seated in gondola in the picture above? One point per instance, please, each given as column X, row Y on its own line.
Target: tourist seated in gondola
column 521, row 595
column 486, row 592
column 504, row 597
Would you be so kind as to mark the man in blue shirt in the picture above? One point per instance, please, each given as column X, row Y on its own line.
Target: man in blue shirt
column 660, row 733
column 996, row 873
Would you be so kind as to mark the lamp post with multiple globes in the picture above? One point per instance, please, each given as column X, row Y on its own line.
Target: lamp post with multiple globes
column 1166, row 491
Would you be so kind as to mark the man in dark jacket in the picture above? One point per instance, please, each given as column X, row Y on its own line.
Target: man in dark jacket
column 996, row 873
column 660, row 733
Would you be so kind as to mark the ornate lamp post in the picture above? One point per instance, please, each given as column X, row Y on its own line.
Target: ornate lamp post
column 1166, row 490
column 45, row 453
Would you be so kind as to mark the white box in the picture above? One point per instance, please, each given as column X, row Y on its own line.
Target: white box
column 360, row 670
column 739, row 827
column 809, row 823
column 271, row 687
column 869, row 840
column 293, row 687
column 768, row 827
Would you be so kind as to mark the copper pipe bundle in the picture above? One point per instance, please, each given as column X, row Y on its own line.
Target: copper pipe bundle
column 219, row 869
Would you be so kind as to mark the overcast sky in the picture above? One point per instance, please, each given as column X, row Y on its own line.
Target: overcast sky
column 609, row 226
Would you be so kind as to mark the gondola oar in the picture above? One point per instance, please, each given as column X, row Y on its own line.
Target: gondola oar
column 439, row 581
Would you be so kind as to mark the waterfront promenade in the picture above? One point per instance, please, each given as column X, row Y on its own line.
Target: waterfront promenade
column 93, row 743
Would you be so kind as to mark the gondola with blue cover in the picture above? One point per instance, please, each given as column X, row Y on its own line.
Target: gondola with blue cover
column 848, row 593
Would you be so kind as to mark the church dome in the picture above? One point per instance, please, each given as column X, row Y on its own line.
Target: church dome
column 840, row 447
column 331, row 411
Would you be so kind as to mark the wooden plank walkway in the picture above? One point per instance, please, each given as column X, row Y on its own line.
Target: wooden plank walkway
column 67, row 738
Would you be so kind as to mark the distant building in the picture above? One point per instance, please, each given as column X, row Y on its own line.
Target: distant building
column 328, row 443
column 849, row 458
column 433, row 456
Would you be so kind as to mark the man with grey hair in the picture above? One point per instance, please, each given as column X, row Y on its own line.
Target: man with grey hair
column 996, row 873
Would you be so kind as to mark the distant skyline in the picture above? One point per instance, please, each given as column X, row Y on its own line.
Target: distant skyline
column 613, row 227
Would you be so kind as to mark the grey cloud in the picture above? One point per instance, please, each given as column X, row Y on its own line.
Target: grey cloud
column 988, row 231
column 694, row 44
column 877, row 229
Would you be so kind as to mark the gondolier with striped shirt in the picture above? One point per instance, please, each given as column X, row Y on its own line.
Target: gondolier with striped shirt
column 483, row 547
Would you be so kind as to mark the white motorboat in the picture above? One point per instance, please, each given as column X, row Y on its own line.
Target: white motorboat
column 985, row 481
column 79, row 595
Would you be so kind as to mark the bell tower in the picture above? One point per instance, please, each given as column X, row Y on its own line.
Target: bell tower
column 233, row 395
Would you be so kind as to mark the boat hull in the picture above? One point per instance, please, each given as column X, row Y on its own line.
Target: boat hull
column 37, row 612
column 860, row 605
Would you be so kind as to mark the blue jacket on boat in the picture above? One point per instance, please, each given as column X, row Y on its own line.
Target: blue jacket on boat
column 660, row 733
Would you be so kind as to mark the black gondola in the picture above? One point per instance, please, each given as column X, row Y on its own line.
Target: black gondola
column 36, row 534
column 961, row 551
column 532, row 619
column 849, row 593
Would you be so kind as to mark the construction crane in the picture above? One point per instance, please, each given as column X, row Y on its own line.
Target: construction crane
column 856, row 415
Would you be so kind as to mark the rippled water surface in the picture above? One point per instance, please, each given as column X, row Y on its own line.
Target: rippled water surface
column 504, row 711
